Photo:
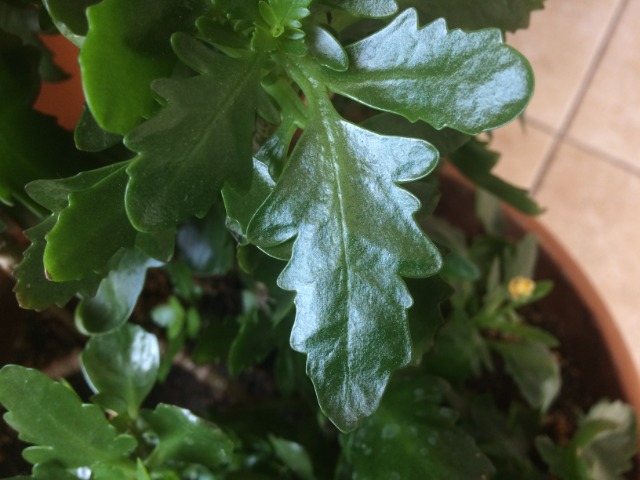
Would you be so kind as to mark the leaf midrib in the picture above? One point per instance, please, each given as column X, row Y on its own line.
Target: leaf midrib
column 344, row 248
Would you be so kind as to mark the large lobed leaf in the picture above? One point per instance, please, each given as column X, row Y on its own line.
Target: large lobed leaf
column 126, row 48
column 200, row 139
column 66, row 431
column 471, row 82
column 412, row 436
column 354, row 235
column 73, row 249
column 33, row 289
column 184, row 437
column 123, row 364
column 92, row 227
column 507, row 15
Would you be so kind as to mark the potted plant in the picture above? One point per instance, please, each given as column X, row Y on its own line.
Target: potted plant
column 218, row 151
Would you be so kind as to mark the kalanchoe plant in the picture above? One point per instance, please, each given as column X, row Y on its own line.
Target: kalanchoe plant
column 222, row 135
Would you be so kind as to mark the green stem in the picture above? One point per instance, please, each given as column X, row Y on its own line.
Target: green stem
column 288, row 100
column 304, row 72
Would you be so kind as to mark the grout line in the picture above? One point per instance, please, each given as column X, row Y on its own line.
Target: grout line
column 604, row 156
column 583, row 87
column 533, row 122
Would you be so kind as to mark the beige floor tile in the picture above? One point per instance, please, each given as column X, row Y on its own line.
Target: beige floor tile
column 522, row 150
column 593, row 209
column 561, row 43
column 608, row 118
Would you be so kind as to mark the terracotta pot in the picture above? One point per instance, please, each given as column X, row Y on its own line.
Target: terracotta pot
column 65, row 99
column 589, row 334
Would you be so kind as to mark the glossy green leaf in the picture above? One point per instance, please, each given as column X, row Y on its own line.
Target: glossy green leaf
column 184, row 437
column 284, row 12
column 117, row 295
column 471, row 82
column 70, row 17
column 505, row 437
column 223, row 37
column 425, row 317
column 366, row 8
column 110, row 471
column 412, row 436
column 66, row 431
column 241, row 206
column 128, row 47
column 54, row 194
column 256, row 339
column 534, row 368
column 327, row 49
column 507, row 15
column 90, row 230
column 445, row 140
column 200, row 139
column 49, row 471
column 601, row 449
column 460, row 351
column 158, row 245
column 346, row 261
column 33, row 289
column 279, row 27
column 89, row 137
column 242, row 11
column 123, row 363
column 475, row 161
column 294, row 456
column 263, row 270
column 206, row 245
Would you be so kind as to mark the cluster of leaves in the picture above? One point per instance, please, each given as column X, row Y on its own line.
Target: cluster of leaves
column 217, row 137
column 344, row 263
column 433, row 412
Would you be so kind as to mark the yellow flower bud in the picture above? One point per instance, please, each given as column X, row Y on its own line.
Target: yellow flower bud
column 521, row 288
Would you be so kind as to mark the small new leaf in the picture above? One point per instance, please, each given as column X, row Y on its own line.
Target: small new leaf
column 184, row 437
column 199, row 140
column 534, row 368
column 117, row 295
column 123, row 363
column 354, row 235
column 280, row 27
column 66, row 431
column 471, row 82
column 327, row 49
